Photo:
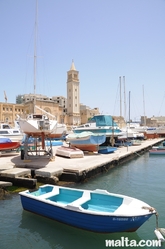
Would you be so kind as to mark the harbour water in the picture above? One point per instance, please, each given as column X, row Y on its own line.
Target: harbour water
column 142, row 178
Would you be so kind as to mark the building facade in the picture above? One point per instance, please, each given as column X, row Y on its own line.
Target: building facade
column 9, row 112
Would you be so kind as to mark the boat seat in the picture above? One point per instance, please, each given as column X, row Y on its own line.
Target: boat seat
column 102, row 203
column 45, row 192
column 85, row 197
column 65, row 196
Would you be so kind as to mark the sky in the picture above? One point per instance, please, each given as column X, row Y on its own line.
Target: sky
column 106, row 39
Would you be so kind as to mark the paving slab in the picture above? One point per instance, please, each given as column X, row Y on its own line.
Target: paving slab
column 5, row 184
column 49, row 171
column 15, row 172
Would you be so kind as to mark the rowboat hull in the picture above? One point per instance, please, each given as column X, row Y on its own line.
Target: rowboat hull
column 106, row 149
column 86, row 141
column 69, row 152
column 9, row 146
column 157, row 152
column 97, row 211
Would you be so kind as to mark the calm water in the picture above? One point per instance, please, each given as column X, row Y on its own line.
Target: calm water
column 142, row 178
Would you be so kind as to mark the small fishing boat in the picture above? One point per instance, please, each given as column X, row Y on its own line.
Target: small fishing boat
column 97, row 211
column 86, row 141
column 160, row 147
column 157, row 151
column 106, row 149
column 66, row 151
column 7, row 144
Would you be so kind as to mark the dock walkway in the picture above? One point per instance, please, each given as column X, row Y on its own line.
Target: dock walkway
column 26, row 173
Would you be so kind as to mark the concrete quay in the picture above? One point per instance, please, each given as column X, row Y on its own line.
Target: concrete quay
column 26, row 173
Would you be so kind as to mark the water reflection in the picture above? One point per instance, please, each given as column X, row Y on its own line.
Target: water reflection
column 40, row 232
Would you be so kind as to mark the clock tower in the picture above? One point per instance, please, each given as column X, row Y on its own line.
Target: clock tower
column 73, row 96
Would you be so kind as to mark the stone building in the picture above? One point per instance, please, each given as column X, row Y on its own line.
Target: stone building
column 9, row 112
column 86, row 113
column 67, row 110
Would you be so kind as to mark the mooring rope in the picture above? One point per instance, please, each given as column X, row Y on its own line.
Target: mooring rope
column 159, row 232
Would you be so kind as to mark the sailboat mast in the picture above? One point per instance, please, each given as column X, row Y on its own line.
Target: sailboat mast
column 35, row 45
column 144, row 108
column 129, row 108
column 120, row 101
column 124, row 98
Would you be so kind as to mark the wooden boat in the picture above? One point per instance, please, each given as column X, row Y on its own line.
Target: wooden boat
column 86, row 141
column 7, row 144
column 66, row 151
column 106, row 149
column 97, row 211
column 157, row 152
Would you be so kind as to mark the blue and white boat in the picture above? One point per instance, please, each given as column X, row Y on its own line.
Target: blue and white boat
column 106, row 149
column 97, row 211
column 102, row 124
column 86, row 140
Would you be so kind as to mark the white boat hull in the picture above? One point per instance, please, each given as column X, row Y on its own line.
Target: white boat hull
column 37, row 125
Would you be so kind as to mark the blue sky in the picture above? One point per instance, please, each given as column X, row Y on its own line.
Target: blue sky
column 105, row 38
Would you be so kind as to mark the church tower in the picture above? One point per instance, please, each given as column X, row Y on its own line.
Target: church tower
column 73, row 96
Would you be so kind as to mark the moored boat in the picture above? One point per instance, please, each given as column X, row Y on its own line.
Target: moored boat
column 14, row 133
column 66, row 151
column 100, row 124
column 106, row 149
column 7, row 144
column 157, row 151
column 97, row 211
column 86, row 141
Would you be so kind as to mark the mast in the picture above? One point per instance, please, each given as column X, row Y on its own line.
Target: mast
column 120, row 101
column 35, row 54
column 129, row 107
column 144, row 108
column 124, row 98
column 35, row 45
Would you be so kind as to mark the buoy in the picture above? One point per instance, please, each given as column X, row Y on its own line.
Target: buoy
column 159, row 235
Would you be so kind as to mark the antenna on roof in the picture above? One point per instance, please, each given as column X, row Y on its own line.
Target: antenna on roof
column 5, row 96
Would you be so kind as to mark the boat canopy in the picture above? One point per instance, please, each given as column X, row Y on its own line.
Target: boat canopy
column 103, row 120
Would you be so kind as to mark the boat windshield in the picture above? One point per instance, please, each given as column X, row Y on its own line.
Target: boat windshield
column 103, row 120
column 6, row 126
